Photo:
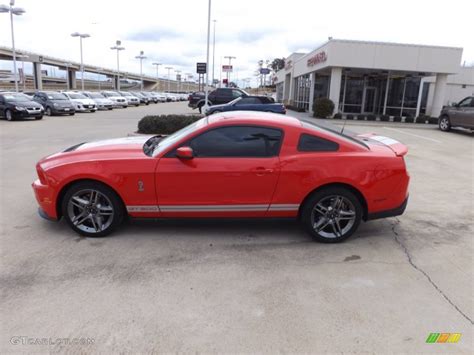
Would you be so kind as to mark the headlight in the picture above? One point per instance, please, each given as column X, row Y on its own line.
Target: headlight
column 19, row 108
column 56, row 105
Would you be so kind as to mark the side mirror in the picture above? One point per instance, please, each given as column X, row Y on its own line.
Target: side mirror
column 185, row 153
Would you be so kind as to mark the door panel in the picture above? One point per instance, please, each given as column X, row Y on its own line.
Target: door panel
column 216, row 186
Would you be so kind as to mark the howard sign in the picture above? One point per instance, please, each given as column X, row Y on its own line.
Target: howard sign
column 317, row 58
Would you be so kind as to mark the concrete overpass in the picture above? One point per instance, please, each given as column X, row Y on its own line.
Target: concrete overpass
column 71, row 67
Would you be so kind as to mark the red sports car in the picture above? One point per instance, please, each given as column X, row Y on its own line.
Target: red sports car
column 236, row 164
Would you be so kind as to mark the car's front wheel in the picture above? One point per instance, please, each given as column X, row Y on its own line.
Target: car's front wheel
column 9, row 115
column 92, row 209
column 48, row 111
column 444, row 124
column 332, row 215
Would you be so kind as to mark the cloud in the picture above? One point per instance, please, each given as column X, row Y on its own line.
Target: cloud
column 152, row 35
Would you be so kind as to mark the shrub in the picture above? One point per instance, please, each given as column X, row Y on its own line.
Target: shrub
column 165, row 124
column 408, row 119
column 397, row 119
column 295, row 108
column 361, row 117
column 432, row 120
column 323, row 107
column 371, row 117
column 422, row 119
column 385, row 118
column 349, row 117
column 337, row 116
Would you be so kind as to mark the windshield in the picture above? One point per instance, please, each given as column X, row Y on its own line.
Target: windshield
column 74, row 95
column 16, row 98
column 95, row 95
column 176, row 136
column 56, row 96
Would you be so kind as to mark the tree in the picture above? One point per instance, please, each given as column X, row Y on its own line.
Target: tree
column 277, row 64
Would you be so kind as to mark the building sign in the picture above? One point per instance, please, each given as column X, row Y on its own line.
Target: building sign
column 227, row 68
column 201, row 68
column 317, row 58
column 288, row 64
column 264, row 71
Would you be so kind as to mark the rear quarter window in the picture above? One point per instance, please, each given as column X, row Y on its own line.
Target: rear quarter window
column 310, row 143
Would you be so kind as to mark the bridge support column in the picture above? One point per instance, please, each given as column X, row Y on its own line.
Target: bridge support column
column 37, row 76
column 71, row 74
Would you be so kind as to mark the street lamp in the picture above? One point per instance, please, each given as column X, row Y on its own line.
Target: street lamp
column 207, row 56
column 81, row 36
column 141, row 57
column 157, row 65
column 178, row 72
column 169, row 74
column 228, row 72
column 214, row 51
column 118, row 48
column 13, row 11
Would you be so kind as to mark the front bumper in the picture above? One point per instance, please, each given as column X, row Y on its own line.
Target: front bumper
column 389, row 213
column 24, row 114
column 63, row 110
column 46, row 199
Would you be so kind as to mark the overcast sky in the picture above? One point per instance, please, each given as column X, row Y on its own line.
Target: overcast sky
column 173, row 32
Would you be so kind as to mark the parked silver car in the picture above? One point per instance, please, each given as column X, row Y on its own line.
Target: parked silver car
column 458, row 115
column 100, row 100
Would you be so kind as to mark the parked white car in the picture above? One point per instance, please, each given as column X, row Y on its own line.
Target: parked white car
column 101, row 101
column 118, row 100
column 131, row 99
column 160, row 96
column 81, row 102
column 171, row 97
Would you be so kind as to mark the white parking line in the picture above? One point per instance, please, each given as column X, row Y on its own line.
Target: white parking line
column 412, row 134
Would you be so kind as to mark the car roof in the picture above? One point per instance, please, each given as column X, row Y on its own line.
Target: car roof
column 255, row 116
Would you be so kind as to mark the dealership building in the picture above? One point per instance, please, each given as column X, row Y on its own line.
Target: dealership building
column 376, row 78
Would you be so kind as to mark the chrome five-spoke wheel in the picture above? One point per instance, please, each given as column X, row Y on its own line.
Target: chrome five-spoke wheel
column 332, row 214
column 92, row 209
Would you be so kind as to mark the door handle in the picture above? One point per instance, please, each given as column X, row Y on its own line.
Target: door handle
column 262, row 171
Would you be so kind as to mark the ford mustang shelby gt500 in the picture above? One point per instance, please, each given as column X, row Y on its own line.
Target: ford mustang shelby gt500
column 235, row 164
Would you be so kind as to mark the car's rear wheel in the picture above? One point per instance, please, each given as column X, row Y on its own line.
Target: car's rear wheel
column 332, row 215
column 444, row 123
column 92, row 209
column 9, row 115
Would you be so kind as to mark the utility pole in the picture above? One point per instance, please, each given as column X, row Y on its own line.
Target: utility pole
column 214, row 52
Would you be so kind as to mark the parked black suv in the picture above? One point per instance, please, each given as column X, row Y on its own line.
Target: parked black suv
column 54, row 103
column 217, row 97
column 17, row 105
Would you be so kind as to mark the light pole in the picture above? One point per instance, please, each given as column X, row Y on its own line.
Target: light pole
column 228, row 72
column 169, row 77
column 81, row 36
column 178, row 72
column 214, row 52
column 23, row 57
column 13, row 11
column 157, row 70
column 141, row 57
column 118, row 48
column 206, row 89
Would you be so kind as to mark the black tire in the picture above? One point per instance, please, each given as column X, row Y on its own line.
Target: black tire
column 124, row 106
column 9, row 115
column 339, row 221
column 72, row 114
column 444, row 123
column 48, row 111
column 39, row 118
column 111, row 199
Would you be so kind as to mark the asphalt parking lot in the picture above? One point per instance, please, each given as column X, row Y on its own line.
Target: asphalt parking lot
column 233, row 286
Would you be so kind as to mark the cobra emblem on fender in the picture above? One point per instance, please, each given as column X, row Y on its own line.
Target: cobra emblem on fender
column 141, row 186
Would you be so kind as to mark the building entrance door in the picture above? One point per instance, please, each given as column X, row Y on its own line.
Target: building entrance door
column 369, row 99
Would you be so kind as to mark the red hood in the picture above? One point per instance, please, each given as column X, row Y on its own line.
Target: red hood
column 123, row 148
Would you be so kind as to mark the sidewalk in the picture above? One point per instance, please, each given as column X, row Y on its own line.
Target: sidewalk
column 341, row 122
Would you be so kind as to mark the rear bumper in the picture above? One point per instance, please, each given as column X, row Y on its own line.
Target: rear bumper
column 389, row 213
column 44, row 215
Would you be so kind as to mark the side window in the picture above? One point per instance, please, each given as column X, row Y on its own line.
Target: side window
column 223, row 93
column 238, row 141
column 247, row 101
column 466, row 102
column 309, row 143
column 236, row 94
column 2, row 100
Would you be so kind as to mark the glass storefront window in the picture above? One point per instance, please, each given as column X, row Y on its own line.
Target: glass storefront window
column 321, row 86
column 302, row 89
